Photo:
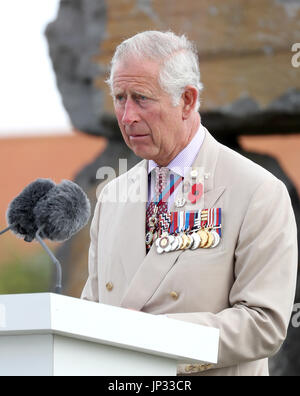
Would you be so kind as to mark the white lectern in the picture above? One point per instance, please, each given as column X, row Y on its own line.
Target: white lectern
column 50, row 334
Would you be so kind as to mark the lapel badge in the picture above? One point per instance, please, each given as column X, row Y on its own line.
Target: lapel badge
column 194, row 173
column 196, row 193
column 180, row 202
column 196, row 186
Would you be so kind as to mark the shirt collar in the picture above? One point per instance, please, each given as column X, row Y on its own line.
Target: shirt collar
column 186, row 157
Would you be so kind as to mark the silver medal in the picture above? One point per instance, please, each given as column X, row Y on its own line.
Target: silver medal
column 216, row 239
column 197, row 240
column 179, row 242
column 174, row 244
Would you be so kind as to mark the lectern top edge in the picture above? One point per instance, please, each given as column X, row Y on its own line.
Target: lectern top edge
column 154, row 334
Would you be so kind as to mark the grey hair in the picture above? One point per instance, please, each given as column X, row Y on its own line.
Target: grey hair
column 177, row 55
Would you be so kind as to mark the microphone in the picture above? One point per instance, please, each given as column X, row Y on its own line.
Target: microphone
column 20, row 216
column 45, row 210
column 62, row 212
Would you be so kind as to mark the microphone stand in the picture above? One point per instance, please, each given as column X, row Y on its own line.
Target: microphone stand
column 6, row 229
column 54, row 260
column 50, row 254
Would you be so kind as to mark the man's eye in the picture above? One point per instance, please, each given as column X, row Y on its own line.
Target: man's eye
column 119, row 98
column 141, row 98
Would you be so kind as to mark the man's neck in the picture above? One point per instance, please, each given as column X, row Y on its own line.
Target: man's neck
column 193, row 129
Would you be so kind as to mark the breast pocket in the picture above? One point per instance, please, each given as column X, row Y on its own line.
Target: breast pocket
column 201, row 280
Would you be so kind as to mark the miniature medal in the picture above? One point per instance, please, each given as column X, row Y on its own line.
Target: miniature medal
column 161, row 244
column 149, row 238
column 174, row 244
column 180, row 242
column 185, row 241
column 197, row 240
column 216, row 239
column 171, row 240
column 209, row 241
column 164, row 243
column 190, row 242
column 204, row 237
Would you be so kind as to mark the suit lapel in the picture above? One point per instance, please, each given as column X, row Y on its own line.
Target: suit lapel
column 133, row 221
column 147, row 271
column 206, row 160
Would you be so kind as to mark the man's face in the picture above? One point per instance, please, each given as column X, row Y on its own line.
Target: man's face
column 151, row 126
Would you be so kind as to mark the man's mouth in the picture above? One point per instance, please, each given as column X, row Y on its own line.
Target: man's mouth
column 137, row 137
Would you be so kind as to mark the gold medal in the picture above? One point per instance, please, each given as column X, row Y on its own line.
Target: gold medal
column 210, row 240
column 204, row 237
column 185, row 241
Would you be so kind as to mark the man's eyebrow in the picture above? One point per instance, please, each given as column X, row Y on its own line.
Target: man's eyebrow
column 138, row 93
column 134, row 93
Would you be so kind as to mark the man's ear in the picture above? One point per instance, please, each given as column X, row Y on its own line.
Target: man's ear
column 189, row 98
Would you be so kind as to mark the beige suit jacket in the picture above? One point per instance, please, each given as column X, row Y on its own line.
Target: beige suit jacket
column 245, row 286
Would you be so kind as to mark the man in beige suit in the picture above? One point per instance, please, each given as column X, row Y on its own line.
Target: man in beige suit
column 244, row 283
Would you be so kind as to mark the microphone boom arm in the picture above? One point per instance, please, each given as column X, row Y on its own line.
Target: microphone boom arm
column 6, row 229
column 54, row 260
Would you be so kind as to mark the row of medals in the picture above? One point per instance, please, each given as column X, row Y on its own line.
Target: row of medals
column 205, row 238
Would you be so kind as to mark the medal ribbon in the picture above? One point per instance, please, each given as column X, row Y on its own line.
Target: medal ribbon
column 204, row 218
column 192, row 220
column 214, row 219
column 174, row 222
column 181, row 221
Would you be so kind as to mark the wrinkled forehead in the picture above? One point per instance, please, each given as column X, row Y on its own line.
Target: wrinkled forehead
column 136, row 65
column 136, row 71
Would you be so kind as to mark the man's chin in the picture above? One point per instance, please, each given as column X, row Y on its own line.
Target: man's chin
column 142, row 152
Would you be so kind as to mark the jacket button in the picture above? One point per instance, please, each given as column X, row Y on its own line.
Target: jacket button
column 109, row 286
column 174, row 295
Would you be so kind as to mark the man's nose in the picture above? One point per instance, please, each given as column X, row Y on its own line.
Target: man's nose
column 130, row 114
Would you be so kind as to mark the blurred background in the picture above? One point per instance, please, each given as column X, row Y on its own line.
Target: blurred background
column 56, row 117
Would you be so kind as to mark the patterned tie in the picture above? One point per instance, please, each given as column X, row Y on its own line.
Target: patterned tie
column 154, row 210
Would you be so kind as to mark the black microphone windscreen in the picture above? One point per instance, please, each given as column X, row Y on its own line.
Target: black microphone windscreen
column 20, row 216
column 63, row 212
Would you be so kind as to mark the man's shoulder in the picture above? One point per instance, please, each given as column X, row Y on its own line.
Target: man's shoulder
column 232, row 165
column 132, row 173
column 125, row 177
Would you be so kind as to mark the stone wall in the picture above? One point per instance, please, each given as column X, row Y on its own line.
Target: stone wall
column 245, row 53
